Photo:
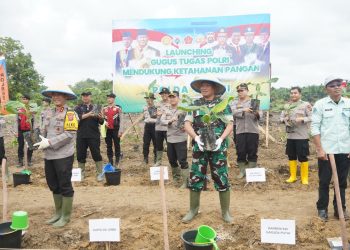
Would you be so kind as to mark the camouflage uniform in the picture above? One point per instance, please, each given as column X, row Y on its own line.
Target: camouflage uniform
column 216, row 159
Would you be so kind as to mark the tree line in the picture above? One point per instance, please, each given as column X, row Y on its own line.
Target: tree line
column 24, row 78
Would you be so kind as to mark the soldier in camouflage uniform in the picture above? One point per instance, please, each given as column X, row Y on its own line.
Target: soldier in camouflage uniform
column 211, row 89
column 60, row 127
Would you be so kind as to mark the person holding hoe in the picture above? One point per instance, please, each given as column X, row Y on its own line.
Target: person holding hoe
column 330, row 128
column 297, row 116
column 210, row 89
column 59, row 131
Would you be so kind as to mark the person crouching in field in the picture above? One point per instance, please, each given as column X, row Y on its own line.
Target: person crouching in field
column 58, row 139
column 149, row 134
column 296, row 116
column 247, row 130
column 176, row 138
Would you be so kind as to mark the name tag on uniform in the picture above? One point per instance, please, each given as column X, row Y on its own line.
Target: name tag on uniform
column 70, row 121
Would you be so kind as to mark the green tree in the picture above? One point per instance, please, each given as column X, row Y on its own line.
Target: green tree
column 99, row 89
column 22, row 75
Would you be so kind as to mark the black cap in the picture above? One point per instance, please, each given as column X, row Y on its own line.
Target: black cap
column 174, row 93
column 149, row 96
column 86, row 93
column 46, row 99
column 111, row 95
column 164, row 91
column 26, row 96
column 242, row 85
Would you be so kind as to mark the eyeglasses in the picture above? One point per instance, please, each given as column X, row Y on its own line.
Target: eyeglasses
column 338, row 84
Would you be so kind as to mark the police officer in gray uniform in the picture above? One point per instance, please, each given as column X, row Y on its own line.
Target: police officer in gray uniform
column 58, row 144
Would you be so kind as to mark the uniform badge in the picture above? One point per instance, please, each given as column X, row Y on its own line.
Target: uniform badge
column 70, row 121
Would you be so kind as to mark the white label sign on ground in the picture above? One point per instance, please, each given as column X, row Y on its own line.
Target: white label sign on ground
column 76, row 174
column 278, row 231
column 104, row 230
column 335, row 243
column 155, row 173
column 255, row 174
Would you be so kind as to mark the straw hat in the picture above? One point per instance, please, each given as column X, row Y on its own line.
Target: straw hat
column 60, row 88
column 219, row 87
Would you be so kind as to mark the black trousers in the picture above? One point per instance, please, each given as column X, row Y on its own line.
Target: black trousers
column 234, row 134
column 160, row 137
column 149, row 135
column 177, row 153
column 325, row 174
column 297, row 149
column 21, row 147
column 58, row 175
column 2, row 148
column 112, row 138
column 247, row 147
column 93, row 144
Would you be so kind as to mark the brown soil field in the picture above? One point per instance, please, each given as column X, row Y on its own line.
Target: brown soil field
column 137, row 202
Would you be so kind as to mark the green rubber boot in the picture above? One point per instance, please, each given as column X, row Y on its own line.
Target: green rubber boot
column 82, row 167
column 67, row 204
column 194, row 206
column 57, row 198
column 99, row 176
column 251, row 164
column 176, row 173
column 225, row 206
column 242, row 167
column 185, row 176
column 159, row 158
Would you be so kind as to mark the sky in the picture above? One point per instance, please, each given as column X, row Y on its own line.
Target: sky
column 71, row 40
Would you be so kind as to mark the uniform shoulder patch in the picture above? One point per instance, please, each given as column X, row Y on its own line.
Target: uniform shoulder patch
column 71, row 121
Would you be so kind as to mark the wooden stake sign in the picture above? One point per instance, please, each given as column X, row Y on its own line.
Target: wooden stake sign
column 165, row 216
column 339, row 205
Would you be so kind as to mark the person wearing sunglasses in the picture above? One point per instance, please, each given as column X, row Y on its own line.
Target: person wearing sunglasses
column 247, row 130
column 330, row 128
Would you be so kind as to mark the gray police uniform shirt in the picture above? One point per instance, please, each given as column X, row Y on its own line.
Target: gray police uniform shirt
column 43, row 114
column 298, row 130
column 61, row 142
column 162, row 107
column 146, row 115
column 246, row 122
column 175, row 132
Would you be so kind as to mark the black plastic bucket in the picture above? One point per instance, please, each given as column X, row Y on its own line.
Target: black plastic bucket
column 188, row 239
column 113, row 178
column 19, row 178
column 9, row 238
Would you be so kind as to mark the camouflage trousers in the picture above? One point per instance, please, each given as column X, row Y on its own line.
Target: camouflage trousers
column 217, row 161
